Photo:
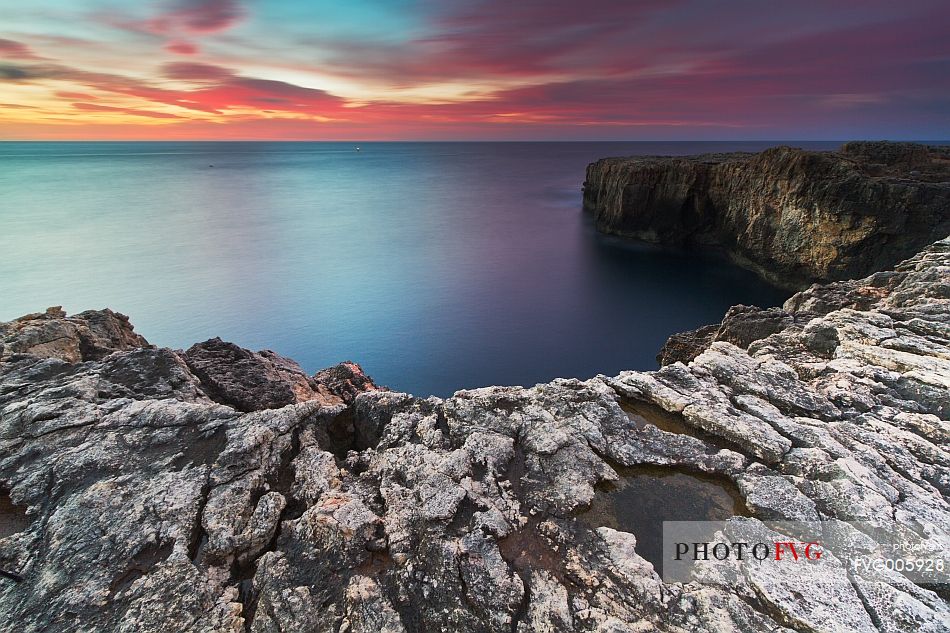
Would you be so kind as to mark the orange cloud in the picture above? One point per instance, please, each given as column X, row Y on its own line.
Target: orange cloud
column 95, row 107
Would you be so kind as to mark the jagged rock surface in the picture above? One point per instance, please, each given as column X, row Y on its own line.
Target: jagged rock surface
column 147, row 506
column 89, row 335
column 794, row 216
column 250, row 381
column 741, row 326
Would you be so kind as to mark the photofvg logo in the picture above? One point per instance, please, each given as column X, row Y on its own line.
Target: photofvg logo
column 740, row 551
column 743, row 550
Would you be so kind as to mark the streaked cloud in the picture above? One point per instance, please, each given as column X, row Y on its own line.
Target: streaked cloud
column 195, row 71
column 10, row 49
column 95, row 107
column 182, row 48
column 186, row 16
column 476, row 68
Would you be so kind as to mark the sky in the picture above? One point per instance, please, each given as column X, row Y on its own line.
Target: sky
column 474, row 69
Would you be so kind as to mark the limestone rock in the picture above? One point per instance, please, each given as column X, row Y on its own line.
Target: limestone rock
column 741, row 326
column 224, row 490
column 90, row 335
column 794, row 216
column 250, row 381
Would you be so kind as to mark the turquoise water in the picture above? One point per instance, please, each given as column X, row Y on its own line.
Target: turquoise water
column 437, row 266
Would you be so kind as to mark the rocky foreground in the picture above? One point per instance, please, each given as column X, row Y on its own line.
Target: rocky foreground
column 792, row 215
column 217, row 489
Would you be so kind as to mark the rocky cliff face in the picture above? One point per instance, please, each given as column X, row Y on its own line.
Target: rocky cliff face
column 794, row 216
column 146, row 489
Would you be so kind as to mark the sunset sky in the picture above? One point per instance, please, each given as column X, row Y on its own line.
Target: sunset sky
column 475, row 69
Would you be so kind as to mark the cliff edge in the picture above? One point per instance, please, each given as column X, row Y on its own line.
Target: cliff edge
column 794, row 216
column 218, row 489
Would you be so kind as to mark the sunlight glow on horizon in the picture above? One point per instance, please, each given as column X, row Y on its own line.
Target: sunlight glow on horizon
column 485, row 69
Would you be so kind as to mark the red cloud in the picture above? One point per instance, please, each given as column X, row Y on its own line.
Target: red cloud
column 16, row 50
column 571, row 66
column 221, row 89
column 218, row 89
column 182, row 48
column 265, row 94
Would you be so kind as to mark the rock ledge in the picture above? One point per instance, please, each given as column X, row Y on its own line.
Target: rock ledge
column 219, row 489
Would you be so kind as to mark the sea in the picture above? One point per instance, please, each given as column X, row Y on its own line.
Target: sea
column 435, row 266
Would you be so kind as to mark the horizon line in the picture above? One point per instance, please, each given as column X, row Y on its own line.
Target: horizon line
column 306, row 140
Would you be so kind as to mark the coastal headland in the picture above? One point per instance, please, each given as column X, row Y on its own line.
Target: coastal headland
column 794, row 216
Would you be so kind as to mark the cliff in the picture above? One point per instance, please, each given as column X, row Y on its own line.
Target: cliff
column 794, row 216
column 218, row 489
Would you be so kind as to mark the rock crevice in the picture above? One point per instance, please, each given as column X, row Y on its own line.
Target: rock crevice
column 219, row 489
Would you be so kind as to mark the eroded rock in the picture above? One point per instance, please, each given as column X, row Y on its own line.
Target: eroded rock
column 250, row 381
column 794, row 216
column 147, row 500
column 90, row 335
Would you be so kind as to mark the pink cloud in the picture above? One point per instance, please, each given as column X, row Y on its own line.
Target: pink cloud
column 218, row 89
column 205, row 16
column 194, row 17
column 616, row 64
column 182, row 48
column 195, row 71
column 499, row 38
column 266, row 94
column 16, row 50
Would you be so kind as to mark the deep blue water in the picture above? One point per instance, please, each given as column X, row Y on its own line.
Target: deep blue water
column 437, row 266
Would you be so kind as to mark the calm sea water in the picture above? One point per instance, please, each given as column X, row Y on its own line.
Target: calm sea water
column 437, row 266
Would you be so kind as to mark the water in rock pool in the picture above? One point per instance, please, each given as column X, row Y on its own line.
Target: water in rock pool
column 646, row 496
column 437, row 266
